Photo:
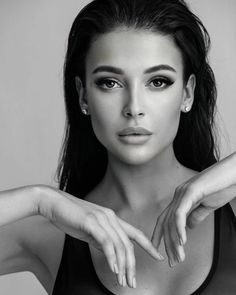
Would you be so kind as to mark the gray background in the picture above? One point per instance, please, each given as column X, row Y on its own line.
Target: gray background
column 33, row 41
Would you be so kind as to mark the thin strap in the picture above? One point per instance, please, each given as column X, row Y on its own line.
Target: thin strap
column 217, row 217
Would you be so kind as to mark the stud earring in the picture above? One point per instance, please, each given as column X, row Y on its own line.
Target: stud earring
column 187, row 109
column 85, row 111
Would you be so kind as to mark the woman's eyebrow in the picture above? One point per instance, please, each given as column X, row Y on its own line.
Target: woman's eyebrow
column 121, row 72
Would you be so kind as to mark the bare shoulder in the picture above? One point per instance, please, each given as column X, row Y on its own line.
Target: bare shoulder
column 45, row 241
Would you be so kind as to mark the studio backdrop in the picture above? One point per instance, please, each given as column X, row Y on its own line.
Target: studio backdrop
column 32, row 47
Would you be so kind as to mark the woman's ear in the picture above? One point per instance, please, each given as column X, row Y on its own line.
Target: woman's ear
column 188, row 96
column 82, row 97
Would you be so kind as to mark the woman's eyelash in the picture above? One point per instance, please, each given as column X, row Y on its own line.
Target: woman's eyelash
column 161, row 80
column 101, row 82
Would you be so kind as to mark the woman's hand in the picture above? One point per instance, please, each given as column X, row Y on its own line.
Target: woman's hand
column 193, row 201
column 98, row 226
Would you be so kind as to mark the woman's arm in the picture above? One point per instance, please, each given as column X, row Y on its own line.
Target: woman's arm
column 18, row 203
column 15, row 205
column 94, row 224
column 193, row 201
column 28, row 244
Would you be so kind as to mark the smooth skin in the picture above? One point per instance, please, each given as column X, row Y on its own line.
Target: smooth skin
column 153, row 100
column 138, row 175
column 127, row 96
column 83, row 220
column 193, row 201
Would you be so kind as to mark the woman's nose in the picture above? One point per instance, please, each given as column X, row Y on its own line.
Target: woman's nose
column 133, row 107
column 132, row 114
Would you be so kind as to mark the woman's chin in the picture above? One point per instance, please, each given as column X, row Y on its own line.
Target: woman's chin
column 134, row 158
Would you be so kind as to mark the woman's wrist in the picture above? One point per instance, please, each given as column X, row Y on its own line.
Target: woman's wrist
column 46, row 198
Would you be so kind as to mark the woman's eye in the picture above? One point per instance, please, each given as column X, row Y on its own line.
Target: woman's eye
column 107, row 83
column 161, row 83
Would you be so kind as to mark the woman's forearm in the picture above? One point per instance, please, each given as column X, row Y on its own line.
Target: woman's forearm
column 18, row 203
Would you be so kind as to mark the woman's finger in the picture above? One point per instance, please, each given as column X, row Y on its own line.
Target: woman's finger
column 130, row 257
column 198, row 215
column 121, row 248
column 158, row 230
column 170, row 251
column 170, row 235
column 139, row 237
column 104, row 241
column 181, row 214
column 180, row 253
column 167, row 220
column 176, row 247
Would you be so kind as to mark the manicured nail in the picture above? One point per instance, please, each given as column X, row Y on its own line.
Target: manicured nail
column 178, row 258
column 134, row 283
column 115, row 268
column 171, row 263
column 181, row 242
column 159, row 256
column 120, row 280
column 124, row 281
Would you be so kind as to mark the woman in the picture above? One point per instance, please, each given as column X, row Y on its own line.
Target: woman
column 138, row 71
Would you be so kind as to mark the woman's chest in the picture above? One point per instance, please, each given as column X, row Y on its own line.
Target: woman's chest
column 156, row 277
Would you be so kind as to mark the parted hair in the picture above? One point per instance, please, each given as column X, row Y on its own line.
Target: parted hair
column 83, row 159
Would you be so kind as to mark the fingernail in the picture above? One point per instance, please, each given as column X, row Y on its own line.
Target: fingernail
column 124, row 281
column 134, row 283
column 115, row 268
column 178, row 258
column 120, row 280
column 159, row 256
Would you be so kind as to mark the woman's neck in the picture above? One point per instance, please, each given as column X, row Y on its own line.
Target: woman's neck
column 137, row 187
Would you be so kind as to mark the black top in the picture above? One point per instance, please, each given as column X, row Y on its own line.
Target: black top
column 77, row 276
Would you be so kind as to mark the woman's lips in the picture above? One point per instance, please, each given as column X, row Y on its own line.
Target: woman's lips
column 134, row 131
column 134, row 135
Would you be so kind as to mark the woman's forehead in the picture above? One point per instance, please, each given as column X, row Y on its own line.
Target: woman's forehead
column 130, row 48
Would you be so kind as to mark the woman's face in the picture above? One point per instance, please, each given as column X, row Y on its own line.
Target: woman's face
column 134, row 78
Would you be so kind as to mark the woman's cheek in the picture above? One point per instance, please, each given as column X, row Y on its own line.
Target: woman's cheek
column 102, row 125
column 168, row 119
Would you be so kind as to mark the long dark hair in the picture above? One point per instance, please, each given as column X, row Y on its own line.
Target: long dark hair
column 83, row 159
